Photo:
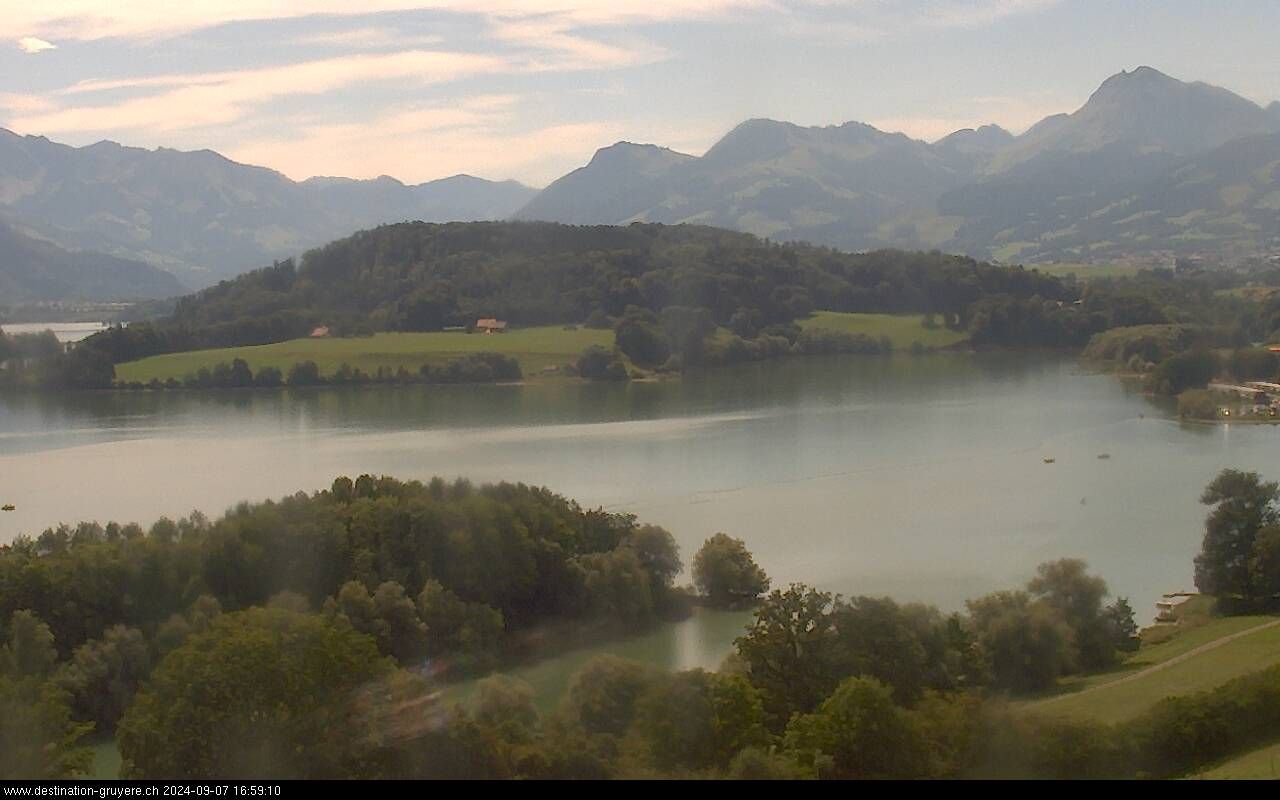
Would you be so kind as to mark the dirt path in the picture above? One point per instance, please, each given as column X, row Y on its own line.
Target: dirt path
column 1207, row 646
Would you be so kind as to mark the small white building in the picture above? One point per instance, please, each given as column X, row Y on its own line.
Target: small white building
column 1167, row 606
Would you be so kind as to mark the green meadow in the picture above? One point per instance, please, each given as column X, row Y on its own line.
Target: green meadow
column 1087, row 271
column 534, row 348
column 1116, row 696
column 1260, row 764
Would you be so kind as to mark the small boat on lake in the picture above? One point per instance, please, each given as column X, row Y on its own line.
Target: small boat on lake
column 8, row 507
column 1050, row 460
column 1104, row 456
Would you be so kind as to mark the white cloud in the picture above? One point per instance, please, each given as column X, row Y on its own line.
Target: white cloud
column 93, row 19
column 431, row 142
column 977, row 13
column 236, row 110
column 24, row 103
column 367, row 37
column 201, row 100
column 31, row 44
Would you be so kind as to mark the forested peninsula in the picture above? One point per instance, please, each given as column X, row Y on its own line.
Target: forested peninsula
column 610, row 303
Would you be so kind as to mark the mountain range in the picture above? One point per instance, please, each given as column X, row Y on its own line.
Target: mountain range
column 204, row 217
column 1150, row 166
column 32, row 270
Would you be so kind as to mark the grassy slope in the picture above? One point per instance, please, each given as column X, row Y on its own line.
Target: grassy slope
column 1260, row 764
column 1086, row 271
column 1204, row 671
column 902, row 329
column 534, row 348
column 106, row 760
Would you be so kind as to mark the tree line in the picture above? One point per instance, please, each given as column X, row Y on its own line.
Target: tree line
column 666, row 291
column 423, row 277
column 101, row 622
column 305, row 637
column 471, row 368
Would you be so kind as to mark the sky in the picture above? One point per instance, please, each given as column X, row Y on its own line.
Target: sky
column 529, row 89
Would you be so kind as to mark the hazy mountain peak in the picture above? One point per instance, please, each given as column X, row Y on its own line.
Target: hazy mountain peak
column 1147, row 110
column 106, row 144
column 761, row 140
column 33, row 269
column 618, row 182
column 635, row 152
column 202, row 215
column 1142, row 77
column 984, row 139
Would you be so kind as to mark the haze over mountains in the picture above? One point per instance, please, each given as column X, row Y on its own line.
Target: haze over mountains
column 1148, row 166
column 33, row 270
column 204, row 217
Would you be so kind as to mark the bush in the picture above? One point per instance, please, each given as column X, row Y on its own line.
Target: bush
column 726, row 574
column 269, row 377
column 1197, row 404
column 641, row 338
column 304, row 373
column 1254, row 364
column 597, row 363
column 477, row 368
column 1192, row 369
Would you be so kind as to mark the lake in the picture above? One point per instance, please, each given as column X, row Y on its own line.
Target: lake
column 65, row 331
column 921, row 478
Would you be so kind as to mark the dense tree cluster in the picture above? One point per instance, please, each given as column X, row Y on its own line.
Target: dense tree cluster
column 804, row 641
column 1239, row 560
column 40, row 360
column 436, row 569
column 665, row 287
column 1181, row 331
column 726, row 574
column 290, row 639
column 472, row 368
column 418, row 276
column 671, row 293
column 39, row 739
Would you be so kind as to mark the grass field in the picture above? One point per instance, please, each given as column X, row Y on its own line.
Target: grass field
column 1260, row 764
column 534, row 348
column 1086, row 271
column 1112, row 701
column 902, row 329
column 106, row 760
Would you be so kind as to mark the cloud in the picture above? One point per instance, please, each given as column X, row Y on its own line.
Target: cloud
column 93, row 19
column 365, row 38
column 206, row 99
column 431, row 142
column 978, row 13
column 323, row 128
column 24, row 103
column 30, row 44
column 571, row 51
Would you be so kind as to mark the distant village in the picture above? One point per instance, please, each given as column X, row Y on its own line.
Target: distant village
column 1250, row 399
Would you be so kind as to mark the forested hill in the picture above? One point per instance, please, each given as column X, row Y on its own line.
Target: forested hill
column 35, row 270
column 421, row 276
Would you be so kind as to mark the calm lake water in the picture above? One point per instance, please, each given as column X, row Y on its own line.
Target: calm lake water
column 921, row 478
column 65, row 331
